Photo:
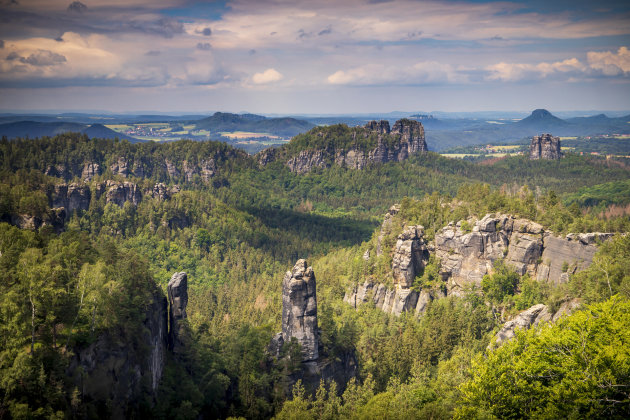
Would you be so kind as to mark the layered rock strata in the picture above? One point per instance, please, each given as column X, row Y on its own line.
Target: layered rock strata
column 405, row 138
column 467, row 251
column 545, row 146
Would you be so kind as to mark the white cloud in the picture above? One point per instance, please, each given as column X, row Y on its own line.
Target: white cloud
column 268, row 76
column 428, row 72
column 609, row 63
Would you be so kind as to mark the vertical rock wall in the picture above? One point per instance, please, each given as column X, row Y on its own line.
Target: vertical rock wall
column 545, row 146
column 178, row 300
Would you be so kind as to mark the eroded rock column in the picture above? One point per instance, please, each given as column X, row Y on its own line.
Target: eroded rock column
column 299, row 309
column 178, row 300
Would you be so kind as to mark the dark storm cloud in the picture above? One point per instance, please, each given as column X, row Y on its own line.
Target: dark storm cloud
column 77, row 7
column 204, row 46
column 206, row 31
column 43, row 58
column 13, row 56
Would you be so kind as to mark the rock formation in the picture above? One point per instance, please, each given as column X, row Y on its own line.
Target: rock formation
column 405, row 138
column 178, row 300
column 71, row 197
column 109, row 370
column 120, row 167
column 467, row 251
column 545, row 146
column 532, row 317
column 299, row 309
column 121, row 192
column 90, row 170
column 171, row 169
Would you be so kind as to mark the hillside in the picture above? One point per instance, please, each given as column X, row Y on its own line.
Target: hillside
column 226, row 122
column 91, row 231
column 35, row 129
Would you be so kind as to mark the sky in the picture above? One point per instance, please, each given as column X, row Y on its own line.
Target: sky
column 313, row 56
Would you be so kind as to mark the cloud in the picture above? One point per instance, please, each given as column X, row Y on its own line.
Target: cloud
column 598, row 64
column 1, row 44
column 268, row 76
column 43, row 58
column 325, row 31
column 422, row 73
column 77, row 7
column 204, row 46
column 206, row 32
column 152, row 53
column 609, row 63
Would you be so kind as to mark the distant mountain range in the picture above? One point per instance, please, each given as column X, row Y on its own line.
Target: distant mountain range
column 441, row 133
column 226, row 122
column 34, row 129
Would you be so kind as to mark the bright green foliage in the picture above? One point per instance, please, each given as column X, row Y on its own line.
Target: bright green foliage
column 500, row 284
column 577, row 368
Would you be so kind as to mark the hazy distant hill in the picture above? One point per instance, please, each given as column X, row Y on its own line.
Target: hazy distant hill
column 222, row 122
column 34, row 129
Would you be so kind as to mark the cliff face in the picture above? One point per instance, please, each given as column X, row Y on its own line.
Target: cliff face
column 467, row 251
column 545, row 146
column 178, row 300
column 299, row 309
column 111, row 370
column 393, row 145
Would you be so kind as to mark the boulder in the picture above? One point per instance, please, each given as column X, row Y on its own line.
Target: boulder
column 299, row 309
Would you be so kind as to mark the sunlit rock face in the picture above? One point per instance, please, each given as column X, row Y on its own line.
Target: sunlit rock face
column 545, row 146
column 178, row 300
column 299, row 309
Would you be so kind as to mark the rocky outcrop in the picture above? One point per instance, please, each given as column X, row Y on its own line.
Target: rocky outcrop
column 410, row 256
column 71, row 197
column 120, row 167
column 121, row 192
column 405, row 138
column 90, row 170
column 299, row 309
column 178, row 300
column 54, row 218
column 467, row 256
column 467, row 251
column 545, row 146
column 299, row 323
column 208, row 169
column 171, row 169
column 111, row 371
column 532, row 317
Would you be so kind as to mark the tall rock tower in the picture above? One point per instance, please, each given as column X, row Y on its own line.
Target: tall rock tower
column 178, row 300
column 545, row 146
column 299, row 309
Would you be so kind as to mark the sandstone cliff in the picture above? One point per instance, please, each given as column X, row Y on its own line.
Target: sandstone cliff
column 178, row 300
column 467, row 251
column 374, row 143
column 545, row 146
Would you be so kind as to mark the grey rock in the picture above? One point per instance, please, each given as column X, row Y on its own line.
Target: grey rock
column 178, row 300
column 90, row 170
column 120, row 167
column 208, row 169
column 171, row 169
column 410, row 256
column 267, row 156
column 121, row 192
column 545, row 146
column 299, row 309
column 189, row 169
column 386, row 227
column 381, row 127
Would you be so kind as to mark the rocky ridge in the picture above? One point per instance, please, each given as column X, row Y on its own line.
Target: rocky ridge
column 467, row 251
column 405, row 138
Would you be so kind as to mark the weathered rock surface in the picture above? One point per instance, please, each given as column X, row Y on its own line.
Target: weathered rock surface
column 405, row 138
column 90, row 170
column 121, row 192
column 54, row 217
column 109, row 370
column 467, row 251
column 410, row 256
column 299, row 309
column 71, row 197
column 467, row 256
column 533, row 316
column 171, row 169
column 178, row 300
column 120, row 167
column 545, row 146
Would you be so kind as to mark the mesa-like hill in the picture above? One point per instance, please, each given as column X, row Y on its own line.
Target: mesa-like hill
column 226, row 122
column 34, row 129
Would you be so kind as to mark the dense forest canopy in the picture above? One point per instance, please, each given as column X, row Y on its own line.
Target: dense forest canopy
column 235, row 227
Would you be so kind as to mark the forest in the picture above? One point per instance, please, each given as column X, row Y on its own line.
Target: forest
column 86, row 278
